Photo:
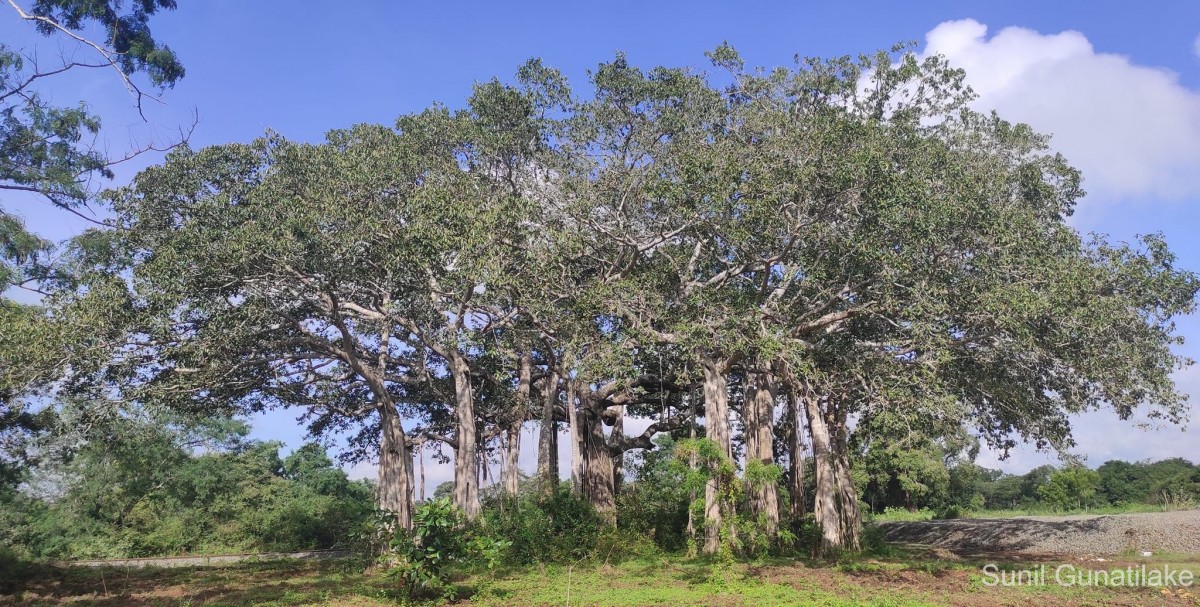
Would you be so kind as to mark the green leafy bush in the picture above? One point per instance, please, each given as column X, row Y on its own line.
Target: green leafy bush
column 435, row 542
column 655, row 504
column 542, row 526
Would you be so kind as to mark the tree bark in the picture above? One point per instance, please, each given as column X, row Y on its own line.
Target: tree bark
column 825, row 507
column 847, row 491
column 421, row 465
column 394, row 493
column 691, row 516
column 578, row 463
column 618, row 431
column 554, row 463
column 598, row 483
column 547, row 445
column 512, row 460
column 799, row 499
column 758, row 417
column 716, row 416
column 466, row 480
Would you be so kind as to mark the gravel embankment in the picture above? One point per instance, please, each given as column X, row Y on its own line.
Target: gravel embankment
column 1176, row 532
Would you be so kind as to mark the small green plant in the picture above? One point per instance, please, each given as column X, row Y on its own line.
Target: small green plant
column 434, row 542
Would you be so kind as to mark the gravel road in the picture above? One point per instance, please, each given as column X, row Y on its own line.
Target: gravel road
column 1176, row 532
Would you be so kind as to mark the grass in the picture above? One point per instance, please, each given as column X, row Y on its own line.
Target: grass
column 901, row 579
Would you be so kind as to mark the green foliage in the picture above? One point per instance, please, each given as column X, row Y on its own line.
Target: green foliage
column 142, row 490
column 916, row 271
column 436, row 541
column 654, row 503
column 544, row 526
column 128, row 34
column 47, row 149
column 1167, row 482
column 1070, row 488
column 742, row 533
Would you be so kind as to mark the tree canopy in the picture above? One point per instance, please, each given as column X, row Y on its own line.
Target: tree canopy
column 844, row 238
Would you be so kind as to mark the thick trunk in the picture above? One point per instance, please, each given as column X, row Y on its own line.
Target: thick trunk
column 758, row 416
column 578, row 463
column 618, row 431
column 691, row 516
column 547, row 445
column 512, row 452
column 598, row 484
column 796, row 461
column 847, row 491
column 825, row 507
column 512, row 458
column 554, row 464
column 466, row 457
column 716, row 416
column 394, row 493
column 421, row 466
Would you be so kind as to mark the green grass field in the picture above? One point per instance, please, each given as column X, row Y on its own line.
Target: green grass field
column 903, row 580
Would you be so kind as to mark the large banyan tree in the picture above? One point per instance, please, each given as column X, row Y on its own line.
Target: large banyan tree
column 771, row 253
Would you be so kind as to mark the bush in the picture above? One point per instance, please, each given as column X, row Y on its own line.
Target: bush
column 951, row 512
column 543, row 525
column 12, row 571
column 433, row 543
column 655, row 504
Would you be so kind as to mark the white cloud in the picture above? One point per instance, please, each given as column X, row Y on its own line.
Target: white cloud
column 1133, row 130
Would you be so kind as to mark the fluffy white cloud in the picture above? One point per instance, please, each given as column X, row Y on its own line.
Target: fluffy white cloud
column 1134, row 130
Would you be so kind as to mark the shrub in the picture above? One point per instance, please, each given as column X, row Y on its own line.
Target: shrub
column 655, row 504
column 951, row 512
column 544, row 525
column 434, row 542
column 12, row 570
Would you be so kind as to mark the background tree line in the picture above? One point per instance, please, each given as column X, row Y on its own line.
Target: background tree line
column 148, row 488
column 157, row 487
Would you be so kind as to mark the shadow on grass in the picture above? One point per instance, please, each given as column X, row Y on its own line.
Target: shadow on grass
column 285, row 582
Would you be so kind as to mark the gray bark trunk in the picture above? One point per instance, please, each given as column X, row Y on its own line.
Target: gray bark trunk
column 578, row 463
column 598, row 483
column 394, row 493
column 796, row 462
column 691, row 516
column 758, row 417
column 847, row 491
column 554, row 464
column 466, row 457
column 825, row 507
column 547, row 468
column 512, row 460
column 618, row 431
column 716, row 416
column 421, row 466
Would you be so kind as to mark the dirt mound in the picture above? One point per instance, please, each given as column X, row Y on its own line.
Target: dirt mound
column 1175, row 532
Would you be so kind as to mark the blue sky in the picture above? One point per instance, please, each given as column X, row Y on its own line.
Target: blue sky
column 1117, row 83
